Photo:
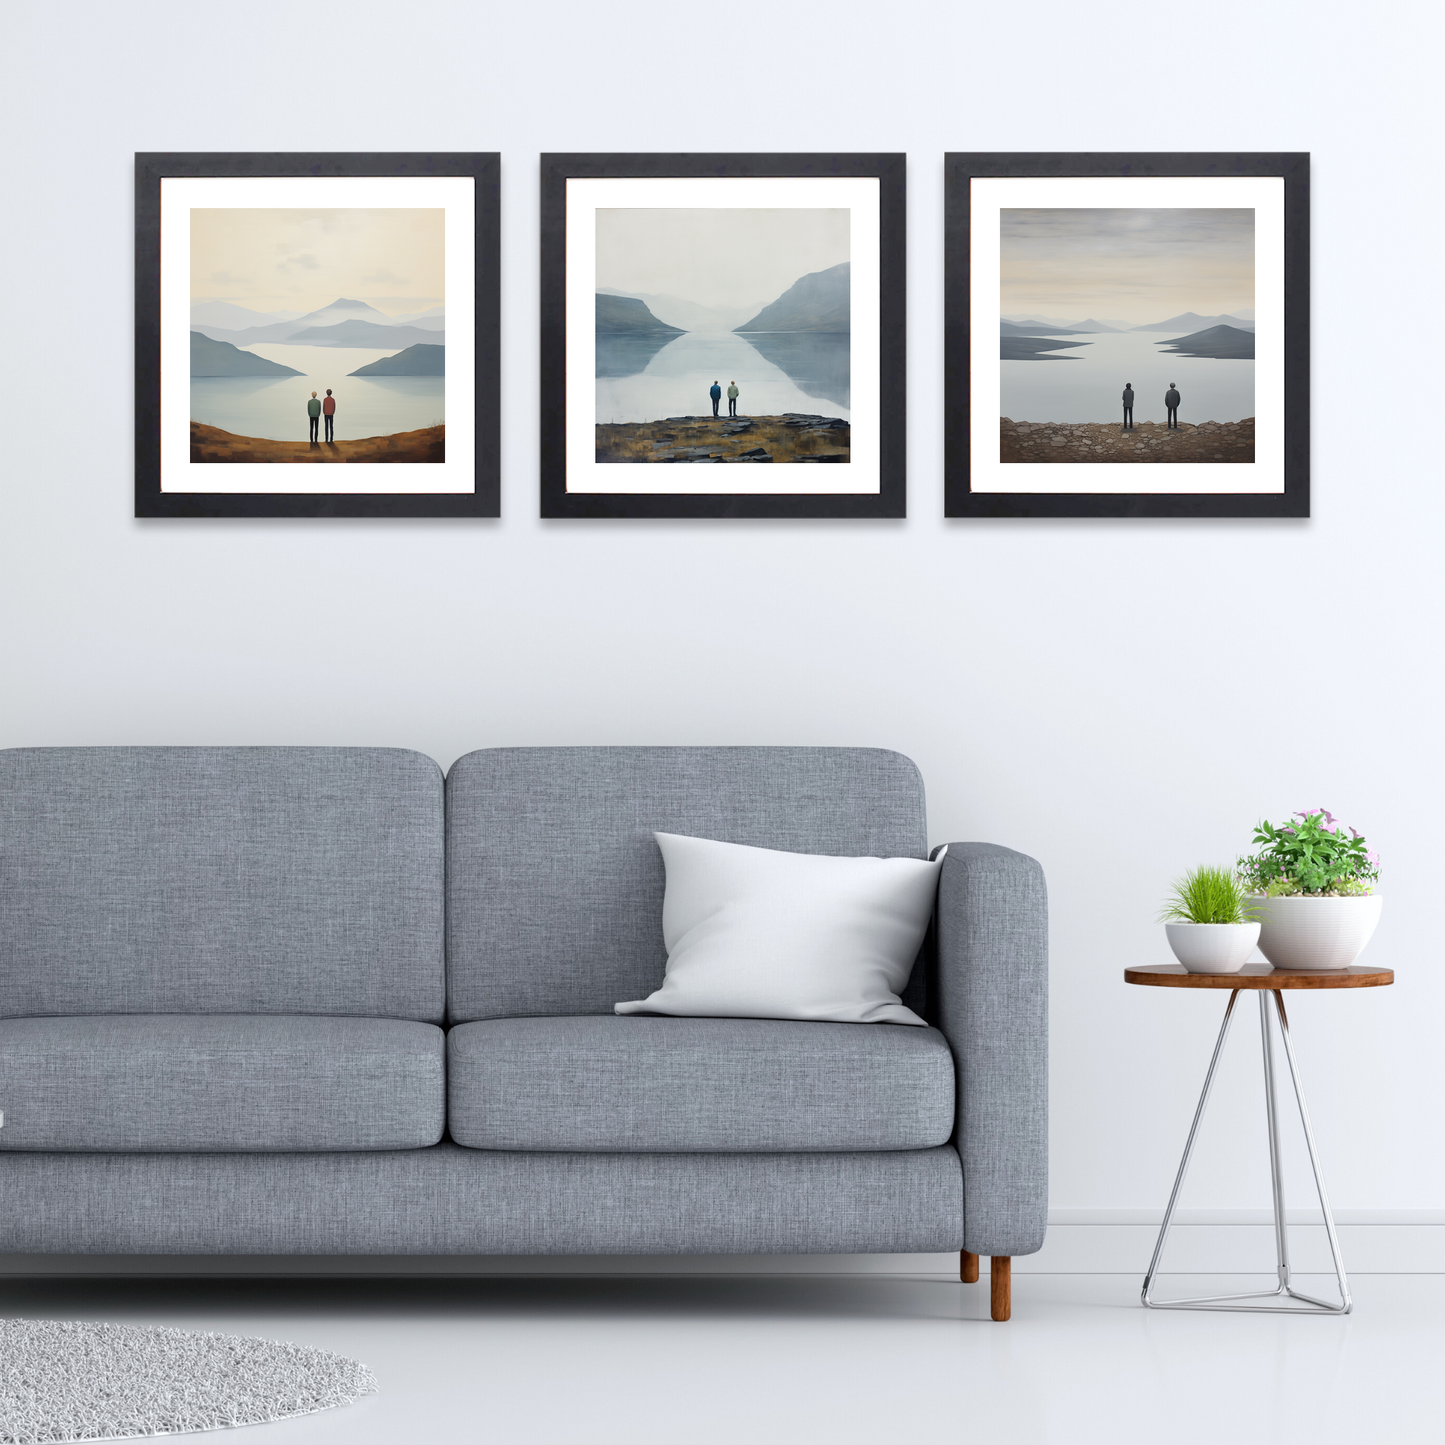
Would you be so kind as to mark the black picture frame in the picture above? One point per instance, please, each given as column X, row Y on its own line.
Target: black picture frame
column 891, row 498
column 960, row 170
column 482, row 501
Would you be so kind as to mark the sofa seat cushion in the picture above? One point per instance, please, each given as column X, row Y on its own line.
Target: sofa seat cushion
column 712, row 1085
column 220, row 1082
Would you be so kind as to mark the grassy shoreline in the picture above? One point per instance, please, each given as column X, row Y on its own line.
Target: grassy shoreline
column 792, row 437
column 211, row 444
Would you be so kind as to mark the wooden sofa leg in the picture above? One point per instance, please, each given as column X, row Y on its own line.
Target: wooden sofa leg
column 1000, row 1295
column 968, row 1267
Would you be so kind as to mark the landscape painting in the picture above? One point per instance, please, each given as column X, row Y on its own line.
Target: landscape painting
column 318, row 335
column 723, row 336
column 1127, row 335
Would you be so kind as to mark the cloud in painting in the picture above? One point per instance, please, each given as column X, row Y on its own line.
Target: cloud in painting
column 715, row 256
column 296, row 259
column 1136, row 264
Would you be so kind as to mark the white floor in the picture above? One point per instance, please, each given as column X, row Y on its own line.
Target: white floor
column 757, row 1360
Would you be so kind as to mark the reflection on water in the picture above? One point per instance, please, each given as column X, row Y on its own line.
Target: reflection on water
column 818, row 363
column 627, row 355
column 275, row 406
column 1089, row 386
column 775, row 372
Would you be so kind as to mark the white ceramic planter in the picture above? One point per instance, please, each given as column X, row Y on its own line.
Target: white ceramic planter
column 1212, row 947
column 1316, row 933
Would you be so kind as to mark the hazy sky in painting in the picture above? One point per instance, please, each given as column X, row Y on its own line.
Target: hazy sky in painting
column 1131, row 265
column 717, row 257
column 299, row 260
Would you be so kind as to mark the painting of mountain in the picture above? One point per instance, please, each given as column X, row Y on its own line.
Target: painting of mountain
column 235, row 318
column 1034, row 348
column 219, row 358
column 362, row 333
column 629, row 315
column 1190, row 322
column 1218, row 343
column 689, row 315
column 738, row 314
column 1162, row 292
column 303, row 330
column 819, row 302
column 419, row 360
column 1011, row 328
column 326, row 319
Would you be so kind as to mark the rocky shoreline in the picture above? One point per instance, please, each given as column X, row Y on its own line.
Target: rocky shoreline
column 1042, row 441
column 792, row 437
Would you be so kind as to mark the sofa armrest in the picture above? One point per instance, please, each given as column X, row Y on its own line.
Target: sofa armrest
column 992, row 1004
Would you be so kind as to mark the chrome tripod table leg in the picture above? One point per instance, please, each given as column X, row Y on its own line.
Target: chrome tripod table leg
column 1308, row 1304
column 1345, row 1304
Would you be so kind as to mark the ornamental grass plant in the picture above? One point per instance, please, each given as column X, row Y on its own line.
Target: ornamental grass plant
column 1208, row 895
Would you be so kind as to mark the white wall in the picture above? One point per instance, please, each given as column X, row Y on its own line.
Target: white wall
column 1120, row 699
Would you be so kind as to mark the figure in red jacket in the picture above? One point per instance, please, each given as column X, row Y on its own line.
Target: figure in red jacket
column 328, row 410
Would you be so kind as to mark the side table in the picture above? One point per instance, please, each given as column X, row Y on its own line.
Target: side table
column 1269, row 983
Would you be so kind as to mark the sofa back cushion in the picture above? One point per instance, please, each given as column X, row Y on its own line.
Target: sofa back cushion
column 555, row 882
column 221, row 880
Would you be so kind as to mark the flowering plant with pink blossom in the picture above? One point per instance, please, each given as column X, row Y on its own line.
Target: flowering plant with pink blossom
column 1311, row 857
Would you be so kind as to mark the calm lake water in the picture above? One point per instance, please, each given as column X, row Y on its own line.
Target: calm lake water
column 776, row 372
column 275, row 406
column 1089, row 388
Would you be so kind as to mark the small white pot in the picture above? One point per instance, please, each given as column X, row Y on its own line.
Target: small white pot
column 1212, row 947
column 1316, row 933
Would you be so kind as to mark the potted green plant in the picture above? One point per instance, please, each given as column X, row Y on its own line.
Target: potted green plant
column 1209, row 922
column 1314, row 890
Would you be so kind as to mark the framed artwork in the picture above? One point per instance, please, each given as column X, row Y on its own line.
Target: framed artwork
column 1127, row 335
column 295, row 311
column 723, row 336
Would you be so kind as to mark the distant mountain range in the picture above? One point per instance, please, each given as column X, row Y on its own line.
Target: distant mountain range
column 1009, row 328
column 236, row 318
column 819, row 301
column 219, row 358
column 1190, row 321
column 363, row 333
column 689, row 315
column 628, row 315
column 341, row 312
column 432, row 319
column 1043, row 328
column 423, row 359
column 1221, row 343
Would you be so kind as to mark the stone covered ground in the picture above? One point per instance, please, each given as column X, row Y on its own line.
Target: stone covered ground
column 1043, row 441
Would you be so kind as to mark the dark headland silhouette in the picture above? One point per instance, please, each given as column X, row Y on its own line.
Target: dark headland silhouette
column 423, row 359
column 220, row 358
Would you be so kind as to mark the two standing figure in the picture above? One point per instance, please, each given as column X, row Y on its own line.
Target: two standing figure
column 715, row 392
column 1171, row 401
column 315, row 410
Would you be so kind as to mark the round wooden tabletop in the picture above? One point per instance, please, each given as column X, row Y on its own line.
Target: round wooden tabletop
column 1261, row 975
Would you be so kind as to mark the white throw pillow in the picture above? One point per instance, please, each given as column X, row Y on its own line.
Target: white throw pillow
column 754, row 933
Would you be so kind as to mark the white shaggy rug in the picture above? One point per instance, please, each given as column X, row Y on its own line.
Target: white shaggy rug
column 62, row 1380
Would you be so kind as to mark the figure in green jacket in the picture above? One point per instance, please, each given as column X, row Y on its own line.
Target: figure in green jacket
column 732, row 398
column 313, row 410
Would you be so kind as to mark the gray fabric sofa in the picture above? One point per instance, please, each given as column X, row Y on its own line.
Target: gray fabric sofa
column 321, row 1001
